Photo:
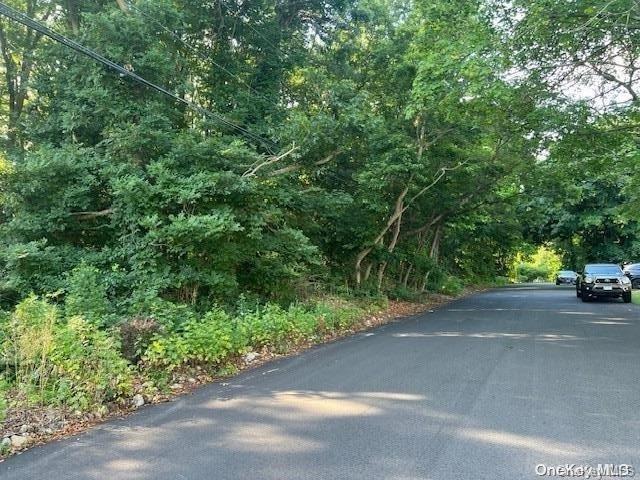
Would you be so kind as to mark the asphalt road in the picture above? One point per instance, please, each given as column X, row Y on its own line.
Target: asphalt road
column 490, row 386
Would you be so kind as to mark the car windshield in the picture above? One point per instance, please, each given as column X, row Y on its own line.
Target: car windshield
column 603, row 269
column 566, row 272
column 633, row 266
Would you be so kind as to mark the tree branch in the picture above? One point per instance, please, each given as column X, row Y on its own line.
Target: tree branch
column 297, row 166
column 92, row 215
column 251, row 172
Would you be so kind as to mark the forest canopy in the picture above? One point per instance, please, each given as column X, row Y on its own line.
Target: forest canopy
column 360, row 146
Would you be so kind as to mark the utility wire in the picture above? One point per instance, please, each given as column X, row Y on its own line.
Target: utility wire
column 23, row 19
column 269, row 42
column 197, row 52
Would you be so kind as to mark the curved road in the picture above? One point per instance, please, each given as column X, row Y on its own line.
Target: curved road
column 490, row 386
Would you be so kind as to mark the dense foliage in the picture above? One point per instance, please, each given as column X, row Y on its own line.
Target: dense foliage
column 368, row 145
column 393, row 147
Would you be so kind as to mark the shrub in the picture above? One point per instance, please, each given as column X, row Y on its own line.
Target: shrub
column 87, row 295
column 404, row 293
column 435, row 279
column 452, row 286
column 217, row 336
column 89, row 369
column 274, row 327
column 168, row 314
column 335, row 317
column 209, row 341
column 531, row 273
column 68, row 363
column 136, row 334
column 267, row 327
column 3, row 399
column 304, row 324
column 28, row 342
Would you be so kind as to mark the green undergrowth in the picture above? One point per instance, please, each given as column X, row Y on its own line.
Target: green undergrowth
column 53, row 355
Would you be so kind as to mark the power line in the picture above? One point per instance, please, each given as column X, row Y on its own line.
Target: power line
column 23, row 19
column 269, row 42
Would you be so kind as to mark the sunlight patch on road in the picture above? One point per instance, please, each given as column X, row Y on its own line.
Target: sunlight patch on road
column 608, row 322
column 324, row 404
column 124, row 466
column 304, row 406
column 258, row 437
column 408, row 397
column 541, row 310
column 551, row 337
column 525, row 442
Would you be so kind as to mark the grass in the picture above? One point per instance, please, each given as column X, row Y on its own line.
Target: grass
column 636, row 297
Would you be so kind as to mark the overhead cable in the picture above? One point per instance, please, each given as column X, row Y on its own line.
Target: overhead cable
column 23, row 19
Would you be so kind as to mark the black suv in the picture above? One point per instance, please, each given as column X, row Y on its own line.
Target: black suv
column 632, row 271
column 603, row 280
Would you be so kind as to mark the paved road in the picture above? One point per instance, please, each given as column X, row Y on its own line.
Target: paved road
column 487, row 387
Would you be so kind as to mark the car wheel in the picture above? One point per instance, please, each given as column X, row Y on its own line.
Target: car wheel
column 626, row 297
column 578, row 293
column 585, row 298
column 557, row 282
column 635, row 284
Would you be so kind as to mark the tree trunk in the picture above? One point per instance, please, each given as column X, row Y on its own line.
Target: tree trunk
column 401, row 271
column 390, row 249
column 434, row 253
column 18, row 65
column 423, row 288
column 73, row 16
column 405, row 281
column 361, row 256
column 367, row 272
column 397, row 213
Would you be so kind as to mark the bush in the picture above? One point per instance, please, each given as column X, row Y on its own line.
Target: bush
column 217, row 336
column 87, row 295
column 269, row 326
column 168, row 314
column 209, row 341
column 136, row 334
column 3, row 399
column 304, row 324
column 89, row 369
column 29, row 338
column 531, row 273
column 541, row 265
column 404, row 293
column 452, row 286
column 68, row 363
column 333, row 318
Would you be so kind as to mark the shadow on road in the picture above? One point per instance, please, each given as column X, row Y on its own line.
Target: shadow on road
column 476, row 389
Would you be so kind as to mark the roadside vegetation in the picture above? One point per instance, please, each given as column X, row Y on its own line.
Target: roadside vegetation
column 307, row 163
column 536, row 265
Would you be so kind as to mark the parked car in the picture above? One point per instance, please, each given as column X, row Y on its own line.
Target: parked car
column 632, row 271
column 566, row 277
column 601, row 280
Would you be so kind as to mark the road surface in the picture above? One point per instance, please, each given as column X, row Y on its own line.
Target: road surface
column 493, row 386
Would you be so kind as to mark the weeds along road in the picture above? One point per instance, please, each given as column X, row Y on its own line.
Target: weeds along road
column 491, row 386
